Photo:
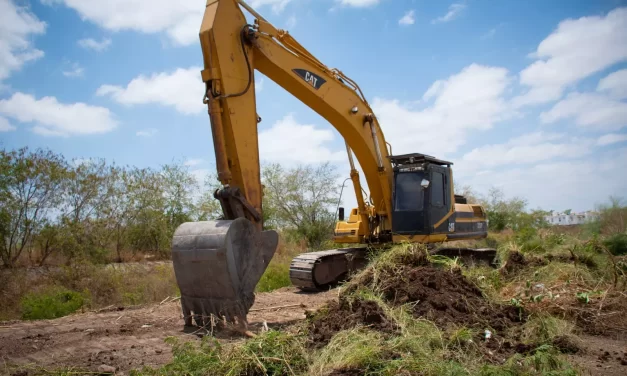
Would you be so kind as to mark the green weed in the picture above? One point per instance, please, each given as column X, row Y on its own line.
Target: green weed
column 50, row 304
column 351, row 349
column 543, row 328
column 616, row 244
column 276, row 276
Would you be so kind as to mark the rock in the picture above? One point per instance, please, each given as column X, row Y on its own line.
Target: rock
column 104, row 368
column 158, row 351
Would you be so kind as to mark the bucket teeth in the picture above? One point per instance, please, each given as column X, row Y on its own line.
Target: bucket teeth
column 217, row 266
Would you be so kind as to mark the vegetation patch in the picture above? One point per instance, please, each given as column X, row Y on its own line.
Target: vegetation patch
column 51, row 304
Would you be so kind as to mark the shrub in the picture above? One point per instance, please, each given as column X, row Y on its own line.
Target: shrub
column 533, row 245
column 616, row 244
column 51, row 304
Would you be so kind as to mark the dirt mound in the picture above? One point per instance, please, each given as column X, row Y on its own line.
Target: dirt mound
column 347, row 314
column 447, row 298
column 565, row 344
column 606, row 317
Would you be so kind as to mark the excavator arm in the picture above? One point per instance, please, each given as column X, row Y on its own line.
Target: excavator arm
column 219, row 263
column 232, row 50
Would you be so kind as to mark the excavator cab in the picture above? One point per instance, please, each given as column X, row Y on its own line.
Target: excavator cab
column 422, row 194
column 425, row 206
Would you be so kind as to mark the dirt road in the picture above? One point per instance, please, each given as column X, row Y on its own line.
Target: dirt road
column 130, row 338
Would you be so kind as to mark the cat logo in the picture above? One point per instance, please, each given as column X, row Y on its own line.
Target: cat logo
column 312, row 79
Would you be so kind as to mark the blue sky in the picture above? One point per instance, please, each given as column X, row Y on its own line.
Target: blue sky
column 527, row 96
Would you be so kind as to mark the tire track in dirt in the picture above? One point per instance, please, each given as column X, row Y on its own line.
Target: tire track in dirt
column 131, row 338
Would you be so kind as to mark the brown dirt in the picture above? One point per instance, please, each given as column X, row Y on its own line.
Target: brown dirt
column 607, row 317
column 447, row 298
column 130, row 338
column 342, row 315
column 602, row 355
column 566, row 345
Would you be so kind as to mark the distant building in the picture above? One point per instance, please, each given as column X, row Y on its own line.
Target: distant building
column 563, row 219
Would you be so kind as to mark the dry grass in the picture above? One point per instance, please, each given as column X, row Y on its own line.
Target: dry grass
column 101, row 286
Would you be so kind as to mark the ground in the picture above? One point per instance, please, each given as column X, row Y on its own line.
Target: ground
column 128, row 338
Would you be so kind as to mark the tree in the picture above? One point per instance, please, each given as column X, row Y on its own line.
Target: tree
column 179, row 186
column 89, row 187
column 208, row 207
column 612, row 216
column 468, row 192
column 504, row 213
column 302, row 200
column 31, row 185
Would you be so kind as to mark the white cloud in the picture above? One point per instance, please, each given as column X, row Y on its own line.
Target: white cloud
column 180, row 20
column 471, row 100
column 575, row 50
column 576, row 184
column 75, row 71
column 615, row 84
column 5, row 126
column 17, row 27
column 194, row 162
column 526, row 149
column 408, row 18
column 53, row 118
column 285, row 140
column 149, row 132
column 291, row 22
column 259, row 84
column 92, row 44
column 277, row 5
column 454, row 10
column 181, row 89
column 611, row 138
column 358, row 3
column 593, row 110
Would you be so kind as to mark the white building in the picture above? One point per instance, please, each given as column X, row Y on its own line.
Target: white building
column 563, row 219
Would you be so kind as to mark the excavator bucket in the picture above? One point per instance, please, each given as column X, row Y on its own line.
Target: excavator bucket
column 217, row 266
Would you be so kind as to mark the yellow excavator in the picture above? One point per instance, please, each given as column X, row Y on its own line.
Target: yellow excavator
column 411, row 196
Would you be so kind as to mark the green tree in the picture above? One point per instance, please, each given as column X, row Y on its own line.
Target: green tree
column 504, row 213
column 89, row 186
column 302, row 200
column 31, row 185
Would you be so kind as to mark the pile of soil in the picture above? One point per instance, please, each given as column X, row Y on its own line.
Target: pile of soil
column 447, row 298
column 604, row 317
column 345, row 314
column 516, row 261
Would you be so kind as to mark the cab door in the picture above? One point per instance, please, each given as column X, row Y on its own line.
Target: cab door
column 409, row 204
column 439, row 198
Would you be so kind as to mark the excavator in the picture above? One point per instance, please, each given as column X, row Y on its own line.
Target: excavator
column 411, row 196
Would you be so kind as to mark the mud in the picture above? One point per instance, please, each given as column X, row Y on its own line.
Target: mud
column 345, row 314
column 447, row 298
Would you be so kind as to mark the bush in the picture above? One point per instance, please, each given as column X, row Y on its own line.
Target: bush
column 534, row 245
column 51, row 304
column 616, row 244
